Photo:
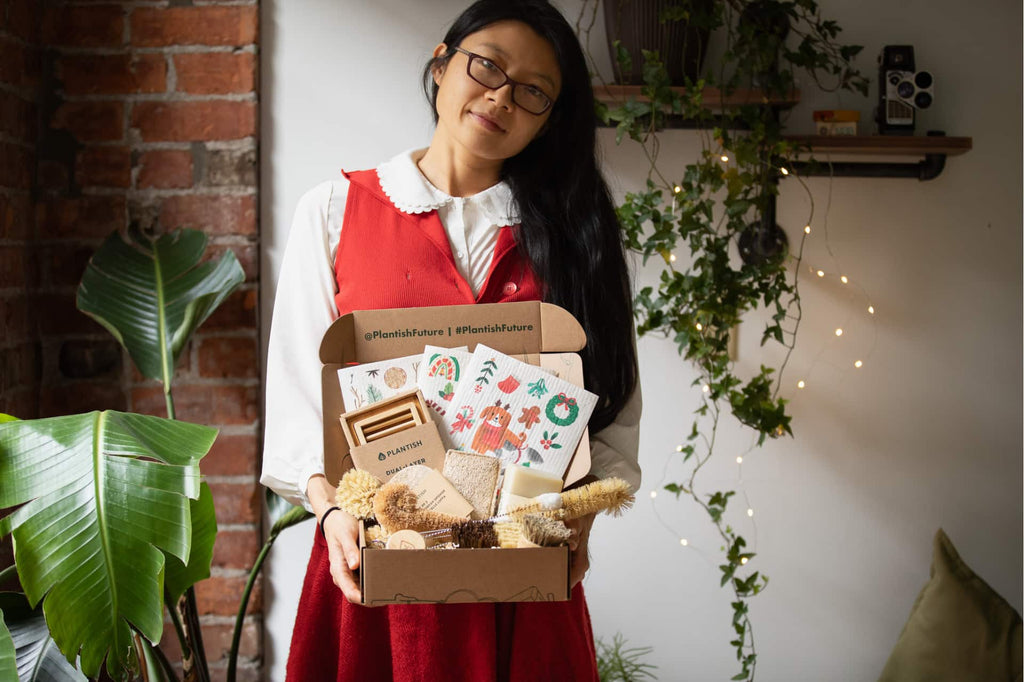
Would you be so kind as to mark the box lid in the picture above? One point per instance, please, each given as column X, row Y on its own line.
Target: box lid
column 519, row 328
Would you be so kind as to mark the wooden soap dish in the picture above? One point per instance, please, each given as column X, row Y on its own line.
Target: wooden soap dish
column 383, row 419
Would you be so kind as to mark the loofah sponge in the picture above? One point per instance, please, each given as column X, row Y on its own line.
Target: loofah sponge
column 475, row 477
column 355, row 493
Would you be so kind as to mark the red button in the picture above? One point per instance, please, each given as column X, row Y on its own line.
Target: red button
column 509, row 288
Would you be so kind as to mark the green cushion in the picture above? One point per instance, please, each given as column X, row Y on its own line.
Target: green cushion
column 959, row 629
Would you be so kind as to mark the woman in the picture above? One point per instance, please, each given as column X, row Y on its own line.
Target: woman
column 505, row 204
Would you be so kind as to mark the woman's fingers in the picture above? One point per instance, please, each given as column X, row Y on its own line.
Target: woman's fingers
column 342, row 534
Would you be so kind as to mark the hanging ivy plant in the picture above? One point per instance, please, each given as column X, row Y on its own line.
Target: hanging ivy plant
column 721, row 211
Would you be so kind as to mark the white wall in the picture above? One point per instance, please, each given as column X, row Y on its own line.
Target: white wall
column 926, row 434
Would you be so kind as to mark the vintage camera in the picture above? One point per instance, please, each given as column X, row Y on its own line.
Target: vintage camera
column 902, row 90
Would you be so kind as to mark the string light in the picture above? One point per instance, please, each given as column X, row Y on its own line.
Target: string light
column 784, row 171
column 739, row 460
column 858, row 364
column 725, row 159
column 679, row 448
column 743, row 560
column 844, row 279
column 677, row 189
column 750, row 512
column 821, row 273
column 705, row 388
column 871, row 309
column 839, row 332
column 807, row 229
column 654, row 494
column 672, row 258
column 684, row 542
column 800, row 384
column 700, row 327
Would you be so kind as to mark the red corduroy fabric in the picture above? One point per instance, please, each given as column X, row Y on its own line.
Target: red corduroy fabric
column 389, row 259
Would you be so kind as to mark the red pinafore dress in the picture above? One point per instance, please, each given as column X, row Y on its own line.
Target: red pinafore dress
column 390, row 259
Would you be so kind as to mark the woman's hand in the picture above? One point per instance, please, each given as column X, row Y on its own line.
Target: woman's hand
column 580, row 558
column 341, row 531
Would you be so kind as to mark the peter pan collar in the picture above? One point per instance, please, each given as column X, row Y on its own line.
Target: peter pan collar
column 411, row 192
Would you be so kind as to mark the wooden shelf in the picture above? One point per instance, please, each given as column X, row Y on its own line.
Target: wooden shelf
column 884, row 145
column 713, row 97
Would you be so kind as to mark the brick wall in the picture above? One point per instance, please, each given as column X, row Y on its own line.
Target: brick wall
column 19, row 101
column 147, row 117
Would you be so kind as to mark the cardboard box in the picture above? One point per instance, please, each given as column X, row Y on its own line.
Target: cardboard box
column 456, row 576
column 528, row 330
column 836, row 121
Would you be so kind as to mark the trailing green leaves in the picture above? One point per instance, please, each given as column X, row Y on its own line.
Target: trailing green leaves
column 103, row 495
column 728, row 191
column 151, row 294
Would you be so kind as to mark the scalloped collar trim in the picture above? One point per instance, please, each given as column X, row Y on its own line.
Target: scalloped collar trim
column 411, row 192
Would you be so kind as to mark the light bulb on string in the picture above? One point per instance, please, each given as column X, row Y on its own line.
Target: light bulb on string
column 739, row 460
column 807, row 229
column 705, row 388
column 750, row 512
column 871, row 309
column 858, row 364
column 654, row 494
column 844, row 279
column 743, row 560
column 684, row 542
column 725, row 158
column 677, row 189
column 672, row 258
column 699, row 327
column 820, row 273
column 839, row 332
column 784, row 170
column 679, row 448
column 800, row 384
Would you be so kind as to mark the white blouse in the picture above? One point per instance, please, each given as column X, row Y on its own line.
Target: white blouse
column 305, row 307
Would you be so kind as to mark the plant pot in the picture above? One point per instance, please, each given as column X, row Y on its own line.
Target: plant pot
column 637, row 26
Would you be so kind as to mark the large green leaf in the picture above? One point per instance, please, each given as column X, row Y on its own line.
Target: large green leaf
column 102, row 494
column 37, row 657
column 180, row 576
column 151, row 294
column 8, row 666
column 283, row 514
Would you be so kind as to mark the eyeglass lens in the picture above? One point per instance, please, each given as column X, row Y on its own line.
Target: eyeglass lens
column 487, row 74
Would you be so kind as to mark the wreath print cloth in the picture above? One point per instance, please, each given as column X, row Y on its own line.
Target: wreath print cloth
column 519, row 412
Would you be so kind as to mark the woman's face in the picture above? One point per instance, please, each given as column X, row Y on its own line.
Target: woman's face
column 486, row 123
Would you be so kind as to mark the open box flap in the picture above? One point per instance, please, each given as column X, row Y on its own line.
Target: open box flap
column 526, row 329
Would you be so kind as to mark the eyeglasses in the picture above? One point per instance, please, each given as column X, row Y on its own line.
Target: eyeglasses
column 488, row 74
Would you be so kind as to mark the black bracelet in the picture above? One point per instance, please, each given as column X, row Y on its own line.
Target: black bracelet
column 324, row 518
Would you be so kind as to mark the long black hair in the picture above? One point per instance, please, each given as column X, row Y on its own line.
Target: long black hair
column 568, row 231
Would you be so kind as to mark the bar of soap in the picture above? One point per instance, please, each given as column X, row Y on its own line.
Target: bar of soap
column 433, row 491
column 522, row 484
column 475, row 477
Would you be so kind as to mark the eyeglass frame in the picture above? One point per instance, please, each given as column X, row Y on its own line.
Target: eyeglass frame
column 469, row 66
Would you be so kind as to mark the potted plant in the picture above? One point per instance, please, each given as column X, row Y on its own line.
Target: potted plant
column 113, row 520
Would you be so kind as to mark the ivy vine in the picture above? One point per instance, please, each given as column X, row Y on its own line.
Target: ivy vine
column 710, row 211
